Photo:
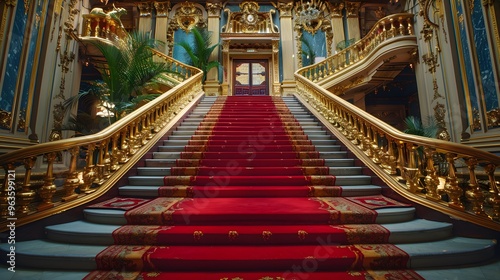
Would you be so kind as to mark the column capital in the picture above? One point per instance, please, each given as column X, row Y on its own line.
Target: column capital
column 352, row 9
column 162, row 8
column 145, row 9
column 285, row 9
column 213, row 9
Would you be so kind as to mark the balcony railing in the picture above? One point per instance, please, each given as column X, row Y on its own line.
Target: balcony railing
column 393, row 26
column 452, row 178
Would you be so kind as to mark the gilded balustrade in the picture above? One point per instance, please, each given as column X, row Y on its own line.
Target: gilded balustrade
column 77, row 170
column 392, row 26
column 452, row 178
column 102, row 26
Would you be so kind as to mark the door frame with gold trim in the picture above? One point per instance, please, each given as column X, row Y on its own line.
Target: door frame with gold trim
column 250, row 79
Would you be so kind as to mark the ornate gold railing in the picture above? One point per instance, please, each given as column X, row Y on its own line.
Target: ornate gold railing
column 396, row 25
column 452, row 178
column 77, row 170
column 102, row 26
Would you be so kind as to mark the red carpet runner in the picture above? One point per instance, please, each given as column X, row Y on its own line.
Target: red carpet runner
column 250, row 198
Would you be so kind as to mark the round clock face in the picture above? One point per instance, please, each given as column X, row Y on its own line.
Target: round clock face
column 250, row 18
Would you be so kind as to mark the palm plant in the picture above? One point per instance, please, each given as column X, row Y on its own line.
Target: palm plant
column 128, row 77
column 199, row 52
column 416, row 127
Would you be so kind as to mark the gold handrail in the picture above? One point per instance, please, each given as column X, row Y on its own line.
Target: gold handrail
column 437, row 174
column 107, row 155
column 392, row 26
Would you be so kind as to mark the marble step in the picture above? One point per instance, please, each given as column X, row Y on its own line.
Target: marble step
column 323, row 155
column 116, row 217
column 451, row 252
column 309, row 133
column 169, row 162
column 84, row 232
column 152, row 191
column 319, row 148
column 341, row 180
column 182, row 143
column 165, row 171
column 188, row 136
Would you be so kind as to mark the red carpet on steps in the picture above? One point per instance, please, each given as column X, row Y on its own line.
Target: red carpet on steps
column 250, row 198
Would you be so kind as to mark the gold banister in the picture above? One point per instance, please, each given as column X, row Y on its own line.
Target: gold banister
column 382, row 32
column 438, row 174
column 108, row 155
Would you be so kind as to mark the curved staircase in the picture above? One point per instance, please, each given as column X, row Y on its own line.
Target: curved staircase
column 249, row 188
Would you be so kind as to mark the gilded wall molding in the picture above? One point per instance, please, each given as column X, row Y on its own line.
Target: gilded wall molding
column 430, row 35
column 188, row 15
column 185, row 16
column 66, row 59
column 5, row 119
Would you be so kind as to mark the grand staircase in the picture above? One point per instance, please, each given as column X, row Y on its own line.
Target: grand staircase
column 269, row 195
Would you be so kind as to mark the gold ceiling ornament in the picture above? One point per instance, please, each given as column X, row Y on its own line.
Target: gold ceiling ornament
column 188, row 16
column 311, row 14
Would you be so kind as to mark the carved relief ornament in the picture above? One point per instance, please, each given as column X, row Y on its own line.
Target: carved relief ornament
column 188, row 15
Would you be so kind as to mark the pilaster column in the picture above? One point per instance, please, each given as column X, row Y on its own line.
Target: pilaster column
column 352, row 10
column 212, row 86
column 226, row 67
column 287, row 44
column 276, row 80
column 337, row 25
column 162, row 9
column 145, row 19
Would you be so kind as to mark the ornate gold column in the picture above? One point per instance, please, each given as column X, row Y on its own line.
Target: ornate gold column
column 225, row 67
column 162, row 9
column 212, row 86
column 287, row 42
column 145, row 20
column 337, row 25
column 276, row 73
column 352, row 10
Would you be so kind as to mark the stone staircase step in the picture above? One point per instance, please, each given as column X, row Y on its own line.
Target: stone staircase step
column 116, row 217
column 152, row 191
column 172, row 148
column 341, row 180
column 84, row 232
column 165, row 171
column 456, row 251
column 158, row 162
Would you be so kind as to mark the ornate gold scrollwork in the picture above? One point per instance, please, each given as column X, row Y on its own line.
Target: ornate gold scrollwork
column 188, row 16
